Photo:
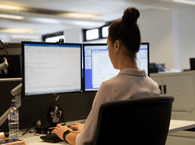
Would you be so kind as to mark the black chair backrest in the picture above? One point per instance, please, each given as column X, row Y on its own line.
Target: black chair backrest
column 142, row 121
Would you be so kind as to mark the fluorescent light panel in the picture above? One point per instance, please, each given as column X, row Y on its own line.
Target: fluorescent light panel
column 25, row 37
column 11, row 16
column 87, row 23
column 7, row 7
column 78, row 15
column 45, row 20
column 185, row 2
column 17, row 30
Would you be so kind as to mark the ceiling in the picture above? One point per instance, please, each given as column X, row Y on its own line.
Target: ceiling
column 34, row 18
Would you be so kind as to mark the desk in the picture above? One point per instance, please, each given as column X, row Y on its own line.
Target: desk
column 179, row 125
column 32, row 139
column 175, row 125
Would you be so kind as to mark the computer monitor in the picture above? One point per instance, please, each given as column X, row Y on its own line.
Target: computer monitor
column 192, row 63
column 98, row 67
column 51, row 68
column 14, row 68
column 10, row 54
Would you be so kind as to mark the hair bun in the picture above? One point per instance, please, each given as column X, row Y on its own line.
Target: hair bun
column 130, row 16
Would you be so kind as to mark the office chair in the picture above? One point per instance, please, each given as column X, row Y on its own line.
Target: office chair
column 141, row 121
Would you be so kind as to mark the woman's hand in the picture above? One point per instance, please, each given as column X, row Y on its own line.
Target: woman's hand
column 77, row 126
column 59, row 130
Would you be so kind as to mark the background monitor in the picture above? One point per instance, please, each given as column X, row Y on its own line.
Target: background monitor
column 12, row 53
column 98, row 67
column 192, row 63
column 14, row 68
column 51, row 68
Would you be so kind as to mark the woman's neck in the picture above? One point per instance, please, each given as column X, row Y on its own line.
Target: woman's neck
column 132, row 66
column 126, row 62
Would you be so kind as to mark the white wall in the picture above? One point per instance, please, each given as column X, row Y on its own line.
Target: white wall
column 98, row 41
column 156, row 28
column 171, row 35
column 73, row 35
column 186, row 41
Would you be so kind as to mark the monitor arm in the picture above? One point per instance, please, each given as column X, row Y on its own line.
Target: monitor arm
column 17, row 93
column 4, row 65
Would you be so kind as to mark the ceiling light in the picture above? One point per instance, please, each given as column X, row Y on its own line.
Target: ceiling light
column 11, row 16
column 26, row 37
column 88, row 23
column 185, row 2
column 7, row 7
column 17, row 30
column 11, row 7
column 45, row 20
column 78, row 15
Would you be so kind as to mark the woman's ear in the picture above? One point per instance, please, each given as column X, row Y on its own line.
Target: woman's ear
column 117, row 45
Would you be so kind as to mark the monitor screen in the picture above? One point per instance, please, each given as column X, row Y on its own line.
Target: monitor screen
column 98, row 67
column 51, row 68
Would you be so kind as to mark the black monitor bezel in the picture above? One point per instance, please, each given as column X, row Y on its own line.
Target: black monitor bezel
column 88, row 44
column 147, row 43
column 23, row 67
column 100, row 44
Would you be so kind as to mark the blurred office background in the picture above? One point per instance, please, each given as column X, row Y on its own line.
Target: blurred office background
column 168, row 25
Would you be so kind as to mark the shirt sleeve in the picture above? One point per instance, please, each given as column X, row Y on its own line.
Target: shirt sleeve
column 87, row 134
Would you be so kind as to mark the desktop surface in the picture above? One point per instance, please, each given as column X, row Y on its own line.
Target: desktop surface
column 175, row 125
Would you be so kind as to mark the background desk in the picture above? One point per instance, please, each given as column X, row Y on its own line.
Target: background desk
column 175, row 125
column 178, row 133
column 179, row 125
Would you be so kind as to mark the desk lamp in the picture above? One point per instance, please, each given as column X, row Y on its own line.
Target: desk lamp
column 17, row 93
column 4, row 66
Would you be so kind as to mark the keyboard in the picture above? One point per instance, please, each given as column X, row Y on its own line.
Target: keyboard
column 51, row 137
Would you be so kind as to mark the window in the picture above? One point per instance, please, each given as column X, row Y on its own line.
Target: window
column 54, row 37
column 96, row 33
column 92, row 34
column 105, row 31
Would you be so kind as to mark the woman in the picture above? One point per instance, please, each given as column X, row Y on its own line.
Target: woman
column 123, row 42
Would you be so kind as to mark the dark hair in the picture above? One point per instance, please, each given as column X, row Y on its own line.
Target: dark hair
column 127, row 31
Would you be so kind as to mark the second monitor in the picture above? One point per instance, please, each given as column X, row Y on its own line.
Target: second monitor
column 51, row 68
column 98, row 67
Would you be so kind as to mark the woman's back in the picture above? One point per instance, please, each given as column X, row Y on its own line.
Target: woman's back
column 131, row 83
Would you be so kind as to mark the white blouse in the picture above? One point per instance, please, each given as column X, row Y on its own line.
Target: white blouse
column 129, row 83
